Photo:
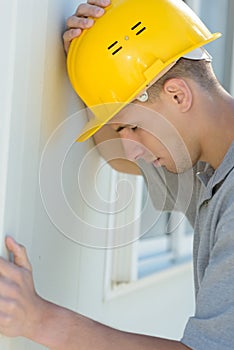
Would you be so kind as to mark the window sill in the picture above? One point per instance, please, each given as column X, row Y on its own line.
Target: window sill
column 121, row 289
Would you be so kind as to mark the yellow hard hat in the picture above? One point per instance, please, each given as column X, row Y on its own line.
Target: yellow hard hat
column 135, row 40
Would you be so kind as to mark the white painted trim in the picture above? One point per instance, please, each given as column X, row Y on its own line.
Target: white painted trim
column 7, row 61
column 144, row 283
column 121, row 263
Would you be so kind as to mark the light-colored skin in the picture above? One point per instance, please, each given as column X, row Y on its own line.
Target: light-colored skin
column 182, row 126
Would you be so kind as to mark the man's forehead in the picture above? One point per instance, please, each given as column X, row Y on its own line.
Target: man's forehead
column 126, row 114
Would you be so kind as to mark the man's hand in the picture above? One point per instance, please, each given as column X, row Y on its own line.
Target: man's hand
column 20, row 306
column 24, row 313
column 81, row 19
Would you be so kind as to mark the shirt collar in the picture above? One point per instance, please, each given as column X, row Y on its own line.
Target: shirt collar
column 211, row 178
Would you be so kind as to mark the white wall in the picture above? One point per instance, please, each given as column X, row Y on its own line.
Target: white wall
column 36, row 97
column 222, row 49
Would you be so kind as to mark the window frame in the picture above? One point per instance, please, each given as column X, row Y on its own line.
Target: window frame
column 121, row 263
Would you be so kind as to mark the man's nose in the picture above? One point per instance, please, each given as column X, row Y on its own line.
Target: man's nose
column 132, row 149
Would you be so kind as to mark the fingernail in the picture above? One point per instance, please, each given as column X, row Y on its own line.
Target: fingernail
column 105, row 2
column 100, row 11
column 88, row 22
column 9, row 236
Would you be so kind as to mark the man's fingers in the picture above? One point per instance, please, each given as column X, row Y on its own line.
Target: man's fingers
column 19, row 252
column 83, row 19
column 68, row 36
column 88, row 10
column 101, row 3
column 75, row 22
column 76, row 25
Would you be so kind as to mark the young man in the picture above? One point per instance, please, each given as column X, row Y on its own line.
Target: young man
column 184, row 119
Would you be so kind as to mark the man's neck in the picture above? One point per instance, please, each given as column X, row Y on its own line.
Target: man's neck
column 218, row 133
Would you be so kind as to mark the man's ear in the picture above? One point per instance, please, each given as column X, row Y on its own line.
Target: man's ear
column 179, row 92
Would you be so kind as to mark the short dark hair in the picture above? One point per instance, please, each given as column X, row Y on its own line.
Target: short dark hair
column 200, row 71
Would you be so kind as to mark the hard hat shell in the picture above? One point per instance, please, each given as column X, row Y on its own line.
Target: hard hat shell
column 135, row 40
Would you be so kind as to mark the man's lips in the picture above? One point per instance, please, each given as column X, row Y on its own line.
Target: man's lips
column 148, row 159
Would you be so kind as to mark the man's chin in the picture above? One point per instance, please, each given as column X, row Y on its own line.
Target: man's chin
column 177, row 170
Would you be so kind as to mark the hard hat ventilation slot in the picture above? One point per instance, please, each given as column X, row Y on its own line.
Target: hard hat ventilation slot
column 113, row 53
column 112, row 45
column 141, row 30
column 136, row 26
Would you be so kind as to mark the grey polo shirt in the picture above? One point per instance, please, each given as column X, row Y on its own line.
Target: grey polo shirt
column 211, row 212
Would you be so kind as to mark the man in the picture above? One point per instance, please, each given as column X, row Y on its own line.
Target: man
column 182, row 119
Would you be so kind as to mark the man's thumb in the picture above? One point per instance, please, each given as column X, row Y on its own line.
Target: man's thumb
column 19, row 253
